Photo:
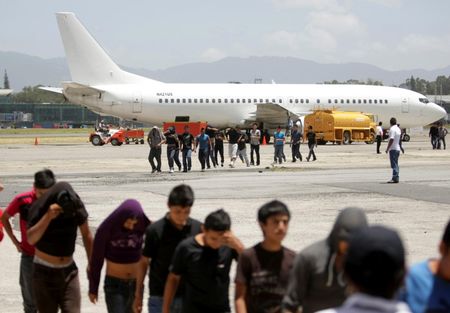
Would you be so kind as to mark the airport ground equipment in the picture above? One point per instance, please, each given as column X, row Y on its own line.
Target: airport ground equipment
column 194, row 127
column 117, row 137
column 341, row 127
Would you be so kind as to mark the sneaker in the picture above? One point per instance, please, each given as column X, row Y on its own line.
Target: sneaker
column 153, row 170
column 221, row 164
column 393, row 181
column 171, row 170
column 185, row 170
column 307, row 159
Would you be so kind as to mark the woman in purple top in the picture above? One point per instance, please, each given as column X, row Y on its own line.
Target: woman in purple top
column 118, row 240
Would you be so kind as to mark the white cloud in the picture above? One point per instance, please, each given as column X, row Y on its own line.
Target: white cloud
column 212, row 54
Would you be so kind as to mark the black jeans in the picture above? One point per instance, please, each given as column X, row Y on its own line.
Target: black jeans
column 296, row 152
column 155, row 153
column 218, row 148
column 254, row 148
column 119, row 294
column 55, row 288
column 203, row 156
column 378, row 143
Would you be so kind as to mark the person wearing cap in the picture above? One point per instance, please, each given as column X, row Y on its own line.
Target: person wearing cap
column 393, row 148
column 118, row 241
column 316, row 281
column 21, row 205
column 155, row 139
column 428, row 282
column 375, row 269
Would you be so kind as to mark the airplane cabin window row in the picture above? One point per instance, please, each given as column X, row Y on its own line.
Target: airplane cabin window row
column 280, row 101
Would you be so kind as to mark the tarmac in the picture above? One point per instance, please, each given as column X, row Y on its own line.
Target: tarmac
column 354, row 175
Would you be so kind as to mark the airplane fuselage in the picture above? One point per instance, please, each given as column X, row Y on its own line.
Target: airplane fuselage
column 225, row 105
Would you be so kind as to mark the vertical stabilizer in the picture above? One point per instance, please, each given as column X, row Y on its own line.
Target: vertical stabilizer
column 89, row 64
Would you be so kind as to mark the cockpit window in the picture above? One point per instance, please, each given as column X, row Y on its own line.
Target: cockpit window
column 424, row 100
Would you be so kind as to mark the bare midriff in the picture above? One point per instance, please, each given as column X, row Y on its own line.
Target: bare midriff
column 56, row 260
column 122, row 271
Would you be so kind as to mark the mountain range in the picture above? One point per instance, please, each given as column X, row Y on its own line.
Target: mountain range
column 25, row 70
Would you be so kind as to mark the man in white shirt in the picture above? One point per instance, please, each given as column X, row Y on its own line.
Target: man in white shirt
column 394, row 149
column 379, row 136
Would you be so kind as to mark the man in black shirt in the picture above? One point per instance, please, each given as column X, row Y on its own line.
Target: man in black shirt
column 263, row 271
column 187, row 142
column 52, row 228
column 161, row 239
column 296, row 136
column 203, row 263
column 311, row 143
column 233, row 136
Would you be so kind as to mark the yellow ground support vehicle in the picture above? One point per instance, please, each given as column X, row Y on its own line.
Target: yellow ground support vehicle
column 341, row 127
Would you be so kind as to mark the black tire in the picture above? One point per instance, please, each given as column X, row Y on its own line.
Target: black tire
column 115, row 142
column 406, row 138
column 142, row 141
column 372, row 139
column 346, row 138
column 96, row 140
column 321, row 142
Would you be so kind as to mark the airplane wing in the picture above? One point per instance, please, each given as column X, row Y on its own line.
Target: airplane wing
column 272, row 115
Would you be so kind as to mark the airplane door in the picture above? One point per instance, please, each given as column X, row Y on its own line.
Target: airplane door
column 137, row 102
column 405, row 105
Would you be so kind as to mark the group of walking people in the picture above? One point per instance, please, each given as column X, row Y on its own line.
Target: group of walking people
column 356, row 268
column 437, row 134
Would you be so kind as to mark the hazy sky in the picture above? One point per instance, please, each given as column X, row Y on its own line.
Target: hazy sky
column 392, row 34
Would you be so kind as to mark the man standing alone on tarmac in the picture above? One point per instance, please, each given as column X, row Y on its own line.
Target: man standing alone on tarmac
column 379, row 136
column 394, row 150
column 155, row 139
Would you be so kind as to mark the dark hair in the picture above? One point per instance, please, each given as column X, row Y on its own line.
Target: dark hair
column 271, row 208
column 202, row 129
column 44, row 179
column 310, row 127
column 380, row 123
column 218, row 221
column 182, row 195
column 446, row 236
column 393, row 121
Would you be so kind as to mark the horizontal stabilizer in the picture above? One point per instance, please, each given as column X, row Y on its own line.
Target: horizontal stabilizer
column 75, row 89
column 53, row 89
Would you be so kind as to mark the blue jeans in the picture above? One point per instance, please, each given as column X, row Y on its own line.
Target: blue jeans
column 393, row 157
column 119, row 294
column 26, row 270
column 155, row 304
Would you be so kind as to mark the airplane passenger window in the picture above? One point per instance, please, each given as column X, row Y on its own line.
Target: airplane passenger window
column 249, row 100
column 290, row 100
column 213, row 100
column 231, row 100
column 225, row 100
column 335, row 100
column 267, row 100
column 370, row 101
column 280, row 101
column 172, row 100
column 273, row 101
column 260, row 100
column 365, row 101
column 348, row 101
column 385, row 101
column 307, row 100
column 329, row 100
column 354, row 101
column 381, row 101
column 160, row 101
column 219, row 100
column 301, row 100
column 184, row 100
column 359, row 101
column 189, row 100
column 166, row 100
column 178, row 100
column 342, row 100
column 243, row 100
column 296, row 100
column 237, row 100
column 255, row 100
column 375, row 101
column 201, row 100
column 318, row 101
column 195, row 100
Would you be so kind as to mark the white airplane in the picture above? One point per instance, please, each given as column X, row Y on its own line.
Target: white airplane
column 100, row 85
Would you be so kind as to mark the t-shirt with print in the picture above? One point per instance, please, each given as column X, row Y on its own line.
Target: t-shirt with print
column 279, row 138
column 187, row 140
column 266, row 276
column 205, row 272
column 21, row 204
column 161, row 240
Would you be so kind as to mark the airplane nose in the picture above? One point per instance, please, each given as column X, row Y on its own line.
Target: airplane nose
column 436, row 111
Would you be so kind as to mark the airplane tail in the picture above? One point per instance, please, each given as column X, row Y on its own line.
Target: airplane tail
column 88, row 63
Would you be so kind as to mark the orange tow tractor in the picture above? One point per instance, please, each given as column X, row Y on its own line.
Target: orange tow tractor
column 117, row 137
